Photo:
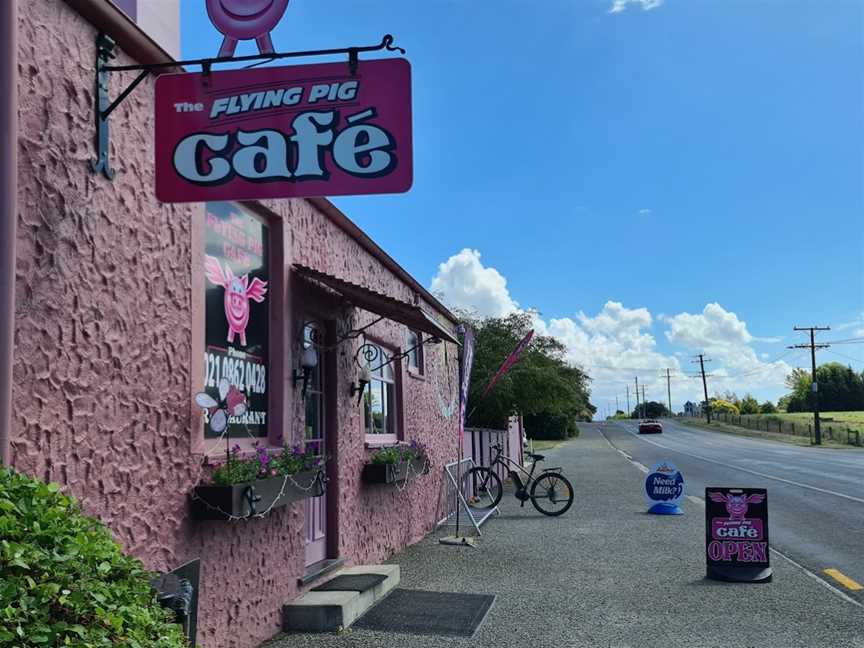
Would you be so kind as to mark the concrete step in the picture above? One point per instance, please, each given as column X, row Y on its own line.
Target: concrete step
column 332, row 611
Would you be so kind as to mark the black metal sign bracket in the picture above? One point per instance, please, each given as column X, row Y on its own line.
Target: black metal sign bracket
column 105, row 47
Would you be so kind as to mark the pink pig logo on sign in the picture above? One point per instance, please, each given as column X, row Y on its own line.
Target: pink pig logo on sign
column 736, row 505
column 238, row 292
column 246, row 20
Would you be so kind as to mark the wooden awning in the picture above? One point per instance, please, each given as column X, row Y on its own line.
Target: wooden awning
column 411, row 315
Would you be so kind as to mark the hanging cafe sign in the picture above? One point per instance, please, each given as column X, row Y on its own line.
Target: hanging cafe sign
column 323, row 129
column 307, row 130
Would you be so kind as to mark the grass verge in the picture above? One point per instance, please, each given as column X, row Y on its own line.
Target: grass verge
column 544, row 444
column 760, row 434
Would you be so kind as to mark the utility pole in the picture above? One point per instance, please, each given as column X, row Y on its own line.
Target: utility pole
column 702, row 361
column 644, row 403
column 616, row 404
column 817, row 428
column 628, row 400
column 669, row 390
column 637, row 410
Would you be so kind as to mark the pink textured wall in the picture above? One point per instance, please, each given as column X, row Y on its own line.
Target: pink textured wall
column 108, row 350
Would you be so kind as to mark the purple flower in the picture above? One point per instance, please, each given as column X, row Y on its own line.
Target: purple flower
column 235, row 450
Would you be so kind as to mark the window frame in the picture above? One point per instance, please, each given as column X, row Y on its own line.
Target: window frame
column 418, row 371
column 395, row 411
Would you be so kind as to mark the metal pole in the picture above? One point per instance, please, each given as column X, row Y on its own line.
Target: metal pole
column 817, row 427
column 817, row 424
column 638, row 411
column 705, row 388
column 628, row 400
column 8, row 210
column 669, row 390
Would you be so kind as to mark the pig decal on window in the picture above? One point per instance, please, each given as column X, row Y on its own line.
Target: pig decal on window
column 246, row 20
column 238, row 292
column 736, row 505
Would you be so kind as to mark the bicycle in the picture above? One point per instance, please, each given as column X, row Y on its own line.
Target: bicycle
column 550, row 486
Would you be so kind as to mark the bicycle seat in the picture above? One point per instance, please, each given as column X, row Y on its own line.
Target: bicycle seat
column 536, row 457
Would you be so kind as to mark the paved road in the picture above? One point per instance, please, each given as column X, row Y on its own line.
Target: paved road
column 608, row 575
column 815, row 495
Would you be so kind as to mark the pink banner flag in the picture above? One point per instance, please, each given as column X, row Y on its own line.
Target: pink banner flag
column 467, row 361
column 512, row 359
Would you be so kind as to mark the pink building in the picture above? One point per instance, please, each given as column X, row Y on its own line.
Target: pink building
column 120, row 317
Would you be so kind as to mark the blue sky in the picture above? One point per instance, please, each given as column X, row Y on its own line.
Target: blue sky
column 655, row 177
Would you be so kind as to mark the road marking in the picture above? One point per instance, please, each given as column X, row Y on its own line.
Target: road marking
column 752, row 472
column 640, row 466
column 819, row 580
column 844, row 580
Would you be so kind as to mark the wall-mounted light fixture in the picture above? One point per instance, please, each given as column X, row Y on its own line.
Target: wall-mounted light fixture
column 363, row 379
column 308, row 362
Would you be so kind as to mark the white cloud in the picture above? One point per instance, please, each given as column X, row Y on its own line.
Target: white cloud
column 724, row 337
column 714, row 327
column 465, row 283
column 646, row 212
column 616, row 343
column 620, row 5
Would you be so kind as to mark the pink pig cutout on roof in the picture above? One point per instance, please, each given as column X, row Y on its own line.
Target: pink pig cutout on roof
column 736, row 505
column 244, row 20
column 238, row 292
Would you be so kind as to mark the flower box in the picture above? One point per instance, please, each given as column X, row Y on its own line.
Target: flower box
column 254, row 498
column 390, row 473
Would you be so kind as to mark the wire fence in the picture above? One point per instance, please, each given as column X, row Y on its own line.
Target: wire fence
column 837, row 431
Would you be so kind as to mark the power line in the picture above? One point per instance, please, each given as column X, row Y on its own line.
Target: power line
column 845, row 356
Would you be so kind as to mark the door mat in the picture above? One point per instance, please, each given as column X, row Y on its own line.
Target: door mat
column 448, row 614
column 351, row 583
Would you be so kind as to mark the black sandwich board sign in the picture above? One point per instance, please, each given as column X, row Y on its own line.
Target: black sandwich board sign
column 736, row 534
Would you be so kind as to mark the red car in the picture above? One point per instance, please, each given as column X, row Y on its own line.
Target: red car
column 650, row 426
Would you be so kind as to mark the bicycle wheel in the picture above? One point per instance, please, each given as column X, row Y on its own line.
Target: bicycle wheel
column 483, row 488
column 552, row 494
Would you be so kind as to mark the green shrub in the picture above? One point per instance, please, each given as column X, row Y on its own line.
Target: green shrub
column 65, row 582
column 401, row 452
column 550, row 427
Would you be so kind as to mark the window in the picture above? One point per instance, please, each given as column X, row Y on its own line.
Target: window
column 379, row 398
column 314, row 429
column 415, row 352
column 236, row 313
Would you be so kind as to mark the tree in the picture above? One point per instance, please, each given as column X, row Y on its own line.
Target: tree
column 840, row 389
column 748, row 405
column 542, row 383
column 767, row 408
column 719, row 405
column 651, row 409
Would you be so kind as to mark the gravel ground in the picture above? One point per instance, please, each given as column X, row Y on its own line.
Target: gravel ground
column 606, row 574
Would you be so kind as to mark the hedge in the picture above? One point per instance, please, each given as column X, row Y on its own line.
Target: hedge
column 65, row 582
column 550, row 427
